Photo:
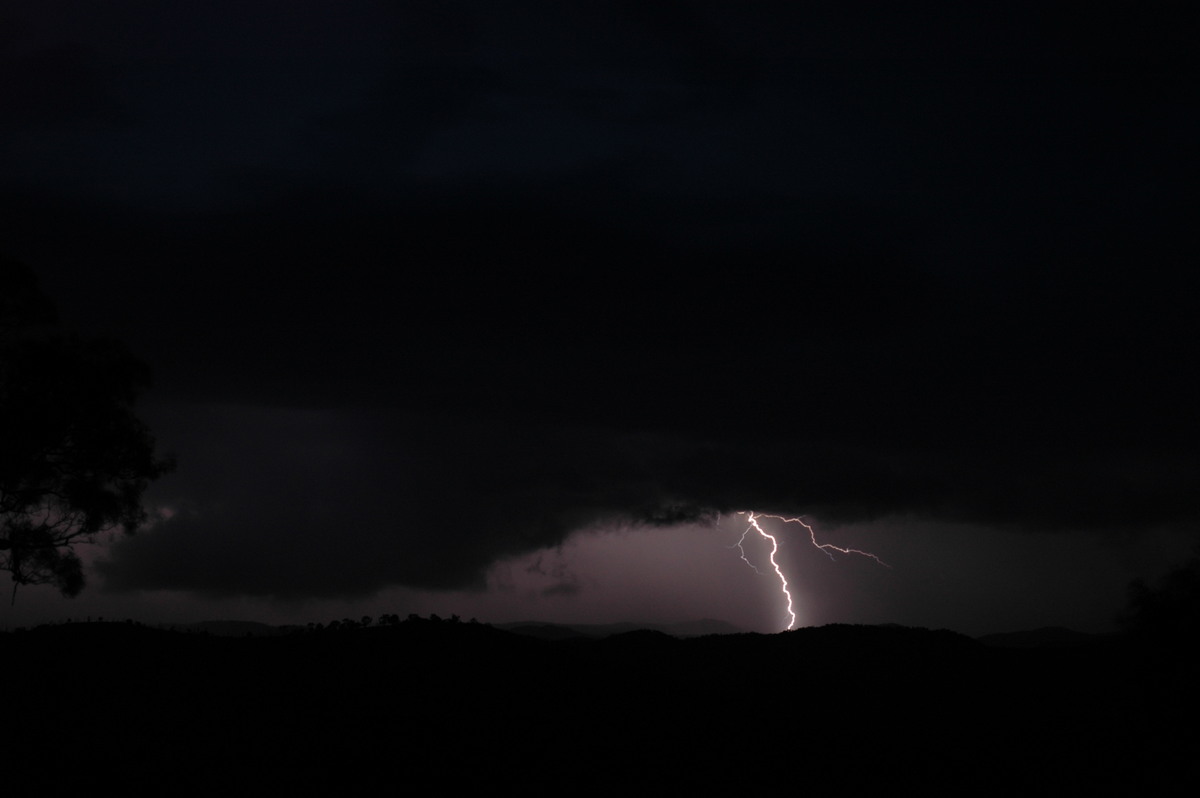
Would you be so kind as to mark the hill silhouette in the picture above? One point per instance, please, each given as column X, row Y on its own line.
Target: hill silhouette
column 832, row 708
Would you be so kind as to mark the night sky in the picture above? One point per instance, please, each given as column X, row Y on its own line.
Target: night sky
column 506, row 309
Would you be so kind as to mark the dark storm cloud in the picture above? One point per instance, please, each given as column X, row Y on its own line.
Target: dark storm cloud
column 531, row 375
column 321, row 502
column 470, row 94
column 60, row 87
column 656, row 398
column 505, row 274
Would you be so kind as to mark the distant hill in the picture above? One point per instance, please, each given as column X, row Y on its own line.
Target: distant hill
column 422, row 699
column 556, row 631
column 1046, row 637
column 229, row 628
column 544, row 631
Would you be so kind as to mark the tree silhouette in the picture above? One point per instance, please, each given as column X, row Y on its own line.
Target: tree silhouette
column 74, row 458
column 1168, row 610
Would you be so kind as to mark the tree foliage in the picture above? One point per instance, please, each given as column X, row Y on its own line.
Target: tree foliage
column 1169, row 609
column 75, row 460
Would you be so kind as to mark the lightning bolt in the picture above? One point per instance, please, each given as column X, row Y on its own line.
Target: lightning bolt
column 828, row 548
column 783, row 585
column 741, row 544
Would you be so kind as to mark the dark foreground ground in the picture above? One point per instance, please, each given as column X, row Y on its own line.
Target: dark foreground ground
column 439, row 706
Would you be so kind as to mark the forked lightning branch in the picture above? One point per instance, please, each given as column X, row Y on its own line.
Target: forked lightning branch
column 828, row 548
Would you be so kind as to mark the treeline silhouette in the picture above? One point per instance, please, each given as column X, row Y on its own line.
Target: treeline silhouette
column 421, row 700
